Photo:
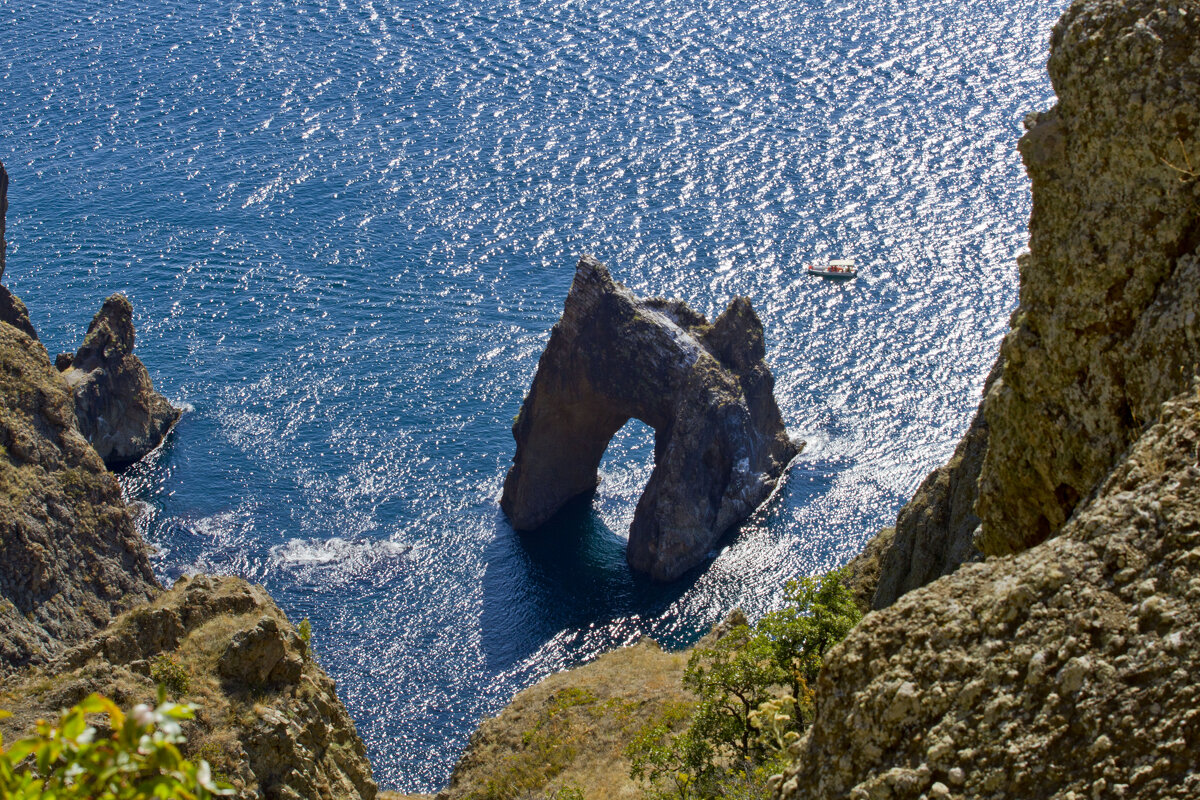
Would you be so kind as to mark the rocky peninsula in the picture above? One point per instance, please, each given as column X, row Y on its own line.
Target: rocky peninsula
column 81, row 610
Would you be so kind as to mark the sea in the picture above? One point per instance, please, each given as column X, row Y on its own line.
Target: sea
column 347, row 227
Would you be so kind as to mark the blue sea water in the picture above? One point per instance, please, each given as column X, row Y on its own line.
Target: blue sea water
column 347, row 226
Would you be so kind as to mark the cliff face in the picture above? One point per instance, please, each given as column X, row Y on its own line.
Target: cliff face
column 69, row 555
column 269, row 720
column 1071, row 668
column 1106, row 328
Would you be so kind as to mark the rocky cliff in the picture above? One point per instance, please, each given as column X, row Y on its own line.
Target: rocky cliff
column 1071, row 668
column 269, row 720
column 69, row 555
column 719, row 442
column 118, row 410
column 81, row 611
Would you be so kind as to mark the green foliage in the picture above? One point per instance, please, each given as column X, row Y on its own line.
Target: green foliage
column 167, row 672
column 304, row 629
column 821, row 611
column 138, row 759
column 755, row 698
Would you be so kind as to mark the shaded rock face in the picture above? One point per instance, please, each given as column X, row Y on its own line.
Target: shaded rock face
column 719, row 447
column 69, row 555
column 935, row 531
column 118, row 410
column 1106, row 327
column 269, row 719
column 3, row 213
column 1073, row 667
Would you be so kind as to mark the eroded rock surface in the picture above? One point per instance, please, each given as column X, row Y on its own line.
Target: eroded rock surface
column 935, row 531
column 69, row 555
column 269, row 719
column 720, row 445
column 118, row 410
column 1073, row 667
column 1106, row 327
column 3, row 214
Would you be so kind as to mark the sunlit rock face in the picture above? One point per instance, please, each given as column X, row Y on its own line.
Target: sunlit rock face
column 1106, row 328
column 1068, row 663
column 118, row 409
column 720, row 444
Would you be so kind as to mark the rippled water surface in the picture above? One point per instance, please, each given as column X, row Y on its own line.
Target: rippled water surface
column 347, row 228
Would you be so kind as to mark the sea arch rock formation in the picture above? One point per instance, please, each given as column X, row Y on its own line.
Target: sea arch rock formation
column 719, row 441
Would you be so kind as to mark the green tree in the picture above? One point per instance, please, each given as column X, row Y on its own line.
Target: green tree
column 820, row 612
column 731, row 678
column 138, row 760
column 753, row 687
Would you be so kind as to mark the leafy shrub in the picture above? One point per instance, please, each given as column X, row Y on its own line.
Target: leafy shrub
column 167, row 672
column 304, row 629
column 755, row 698
column 138, row 760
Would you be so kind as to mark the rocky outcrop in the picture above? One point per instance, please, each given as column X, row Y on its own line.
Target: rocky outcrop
column 1070, row 670
column 720, row 445
column 69, row 555
column 269, row 719
column 935, row 531
column 118, row 410
column 1106, row 327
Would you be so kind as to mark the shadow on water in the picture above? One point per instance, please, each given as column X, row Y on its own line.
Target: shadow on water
column 569, row 574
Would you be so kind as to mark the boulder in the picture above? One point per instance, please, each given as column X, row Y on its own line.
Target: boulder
column 116, row 405
column 719, row 441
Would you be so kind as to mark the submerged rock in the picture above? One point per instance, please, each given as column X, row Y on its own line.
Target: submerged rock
column 118, row 409
column 719, row 445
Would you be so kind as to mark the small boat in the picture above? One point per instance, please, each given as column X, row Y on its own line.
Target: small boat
column 840, row 268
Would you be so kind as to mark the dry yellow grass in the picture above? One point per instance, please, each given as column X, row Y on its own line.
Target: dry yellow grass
column 571, row 729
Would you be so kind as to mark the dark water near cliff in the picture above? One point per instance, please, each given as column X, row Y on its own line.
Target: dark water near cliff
column 347, row 227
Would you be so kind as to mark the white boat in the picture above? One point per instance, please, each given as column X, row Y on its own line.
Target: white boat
column 839, row 268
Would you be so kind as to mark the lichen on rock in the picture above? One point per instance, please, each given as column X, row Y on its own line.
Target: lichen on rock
column 116, row 404
column 720, row 444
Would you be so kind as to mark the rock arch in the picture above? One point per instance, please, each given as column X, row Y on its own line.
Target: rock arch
column 719, row 441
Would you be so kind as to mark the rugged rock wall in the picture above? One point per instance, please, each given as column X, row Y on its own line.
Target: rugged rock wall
column 719, row 446
column 1106, row 328
column 69, row 555
column 3, row 214
column 935, row 531
column 269, row 720
column 116, row 405
column 1071, row 669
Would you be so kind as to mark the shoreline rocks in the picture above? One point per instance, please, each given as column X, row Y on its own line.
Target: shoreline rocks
column 720, row 444
column 118, row 409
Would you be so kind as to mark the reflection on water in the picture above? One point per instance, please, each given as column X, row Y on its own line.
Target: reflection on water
column 347, row 228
